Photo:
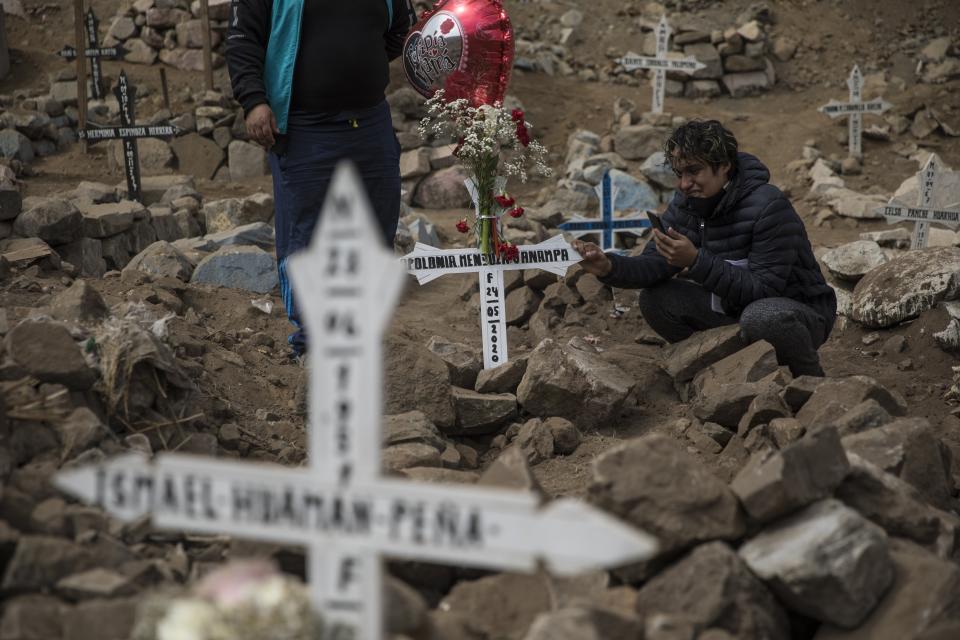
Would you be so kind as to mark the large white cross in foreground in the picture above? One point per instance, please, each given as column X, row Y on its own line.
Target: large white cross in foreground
column 339, row 506
column 855, row 109
column 660, row 64
column 924, row 213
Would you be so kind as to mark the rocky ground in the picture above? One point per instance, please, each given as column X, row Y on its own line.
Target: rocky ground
column 786, row 508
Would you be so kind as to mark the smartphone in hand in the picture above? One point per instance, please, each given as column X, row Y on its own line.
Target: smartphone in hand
column 656, row 222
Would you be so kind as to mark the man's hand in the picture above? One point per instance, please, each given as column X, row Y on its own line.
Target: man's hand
column 261, row 125
column 675, row 247
column 594, row 261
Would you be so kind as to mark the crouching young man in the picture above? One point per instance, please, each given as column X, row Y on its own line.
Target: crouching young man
column 734, row 251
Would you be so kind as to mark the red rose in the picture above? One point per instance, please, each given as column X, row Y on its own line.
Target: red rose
column 517, row 115
column 462, row 226
column 504, row 200
column 522, row 134
column 509, row 251
column 516, row 212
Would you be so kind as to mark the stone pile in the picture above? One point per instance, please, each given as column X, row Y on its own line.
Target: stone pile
column 212, row 144
column 939, row 61
column 95, row 229
column 169, row 31
column 738, row 58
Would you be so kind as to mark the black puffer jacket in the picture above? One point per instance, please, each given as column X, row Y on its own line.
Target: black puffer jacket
column 753, row 221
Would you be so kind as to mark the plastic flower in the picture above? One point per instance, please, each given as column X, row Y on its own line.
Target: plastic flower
column 522, row 134
column 462, row 226
column 517, row 115
column 504, row 200
column 509, row 251
column 516, row 212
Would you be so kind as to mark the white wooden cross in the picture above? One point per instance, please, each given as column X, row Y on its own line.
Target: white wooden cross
column 660, row 64
column 606, row 225
column 429, row 263
column 855, row 109
column 339, row 506
column 924, row 213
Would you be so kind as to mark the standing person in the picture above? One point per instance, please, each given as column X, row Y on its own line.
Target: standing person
column 311, row 76
column 740, row 244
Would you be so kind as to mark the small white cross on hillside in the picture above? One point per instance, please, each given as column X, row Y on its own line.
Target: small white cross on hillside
column 660, row 64
column 855, row 109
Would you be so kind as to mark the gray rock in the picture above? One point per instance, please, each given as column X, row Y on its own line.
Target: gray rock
column 122, row 28
column 750, row 364
column 908, row 449
column 153, row 188
column 503, row 379
column 15, row 146
column 535, row 440
column 481, row 413
column 33, row 617
column 420, row 381
column 259, row 234
column 638, row 142
column 79, row 431
column 95, row 583
column 40, row 561
column 521, row 304
column 412, row 426
column 11, row 202
column 138, row 52
column 197, row 155
column 573, row 383
column 898, row 507
column 161, row 260
column 921, row 603
column 867, row 415
column 579, row 623
column 740, row 85
column 111, row 619
column 655, row 169
column 510, row 471
column 86, row 254
column 415, row 163
column 633, row 195
column 801, row 389
column 566, row 436
column 230, row 213
column 155, row 155
column 765, row 408
column 246, row 160
column 906, row 286
column 47, row 352
column 834, row 397
column 563, row 204
column 693, row 507
column 78, row 303
column 708, row 55
column 774, row 484
column 104, row 220
column 238, row 267
column 854, row 260
column 463, row 361
column 683, row 360
column 53, row 220
column 826, row 562
column 443, row 189
column 713, row 588
column 408, row 455
column 727, row 403
column 190, row 35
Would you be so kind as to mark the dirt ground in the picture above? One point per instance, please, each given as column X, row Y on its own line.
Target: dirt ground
column 879, row 35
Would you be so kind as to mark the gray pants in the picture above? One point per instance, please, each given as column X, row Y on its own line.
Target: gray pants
column 678, row 308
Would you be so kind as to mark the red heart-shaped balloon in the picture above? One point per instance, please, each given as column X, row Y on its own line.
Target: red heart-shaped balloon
column 464, row 47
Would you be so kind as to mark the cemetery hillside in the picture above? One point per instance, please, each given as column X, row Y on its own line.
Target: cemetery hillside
column 486, row 440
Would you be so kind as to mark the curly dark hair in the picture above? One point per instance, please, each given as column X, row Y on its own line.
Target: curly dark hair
column 705, row 140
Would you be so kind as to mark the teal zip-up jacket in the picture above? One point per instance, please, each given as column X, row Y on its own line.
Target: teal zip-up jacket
column 267, row 41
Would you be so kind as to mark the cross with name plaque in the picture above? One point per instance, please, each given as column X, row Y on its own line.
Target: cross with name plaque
column 93, row 52
column 660, row 64
column 855, row 109
column 606, row 225
column 128, row 132
column 429, row 263
column 924, row 213
column 339, row 506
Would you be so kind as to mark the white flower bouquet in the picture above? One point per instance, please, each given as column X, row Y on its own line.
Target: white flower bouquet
column 488, row 137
